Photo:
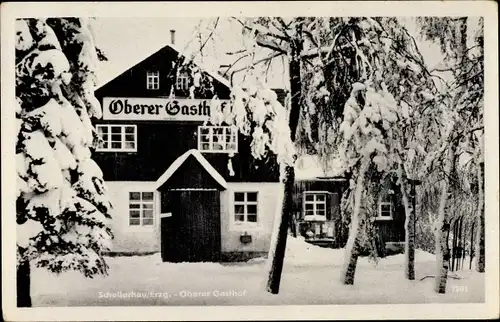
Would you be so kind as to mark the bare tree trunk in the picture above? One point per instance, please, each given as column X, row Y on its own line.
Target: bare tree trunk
column 293, row 225
column 453, row 227
column 351, row 251
column 464, row 236
column 471, row 253
column 480, row 253
column 278, row 246
column 443, row 229
column 409, row 261
column 277, row 250
column 24, row 284
column 460, row 245
column 297, row 224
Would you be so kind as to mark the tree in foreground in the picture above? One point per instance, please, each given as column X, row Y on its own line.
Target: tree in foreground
column 62, row 206
column 384, row 105
column 325, row 57
column 369, row 116
column 284, row 39
column 457, row 122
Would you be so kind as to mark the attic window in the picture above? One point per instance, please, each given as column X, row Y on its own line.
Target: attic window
column 182, row 82
column 153, row 80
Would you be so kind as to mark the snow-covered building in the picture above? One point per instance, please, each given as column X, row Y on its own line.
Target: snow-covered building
column 317, row 208
column 178, row 185
column 193, row 191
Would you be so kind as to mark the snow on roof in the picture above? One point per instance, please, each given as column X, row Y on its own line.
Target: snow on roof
column 203, row 67
column 309, row 167
column 180, row 160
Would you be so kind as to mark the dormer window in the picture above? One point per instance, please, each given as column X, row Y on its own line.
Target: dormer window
column 153, row 80
column 182, row 82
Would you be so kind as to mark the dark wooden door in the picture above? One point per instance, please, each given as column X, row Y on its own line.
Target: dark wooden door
column 192, row 233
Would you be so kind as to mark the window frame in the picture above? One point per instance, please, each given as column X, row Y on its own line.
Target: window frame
column 153, row 79
column 141, row 202
column 211, row 135
column 245, row 224
column 183, row 78
column 314, row 202
column 123, row 134
column 385, row 201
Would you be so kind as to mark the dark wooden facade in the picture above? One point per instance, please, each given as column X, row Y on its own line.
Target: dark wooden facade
column 191, row 195
column 159, row 143
column 194, row 233
column 333, row 189
column 132, row 82
column 389, row 231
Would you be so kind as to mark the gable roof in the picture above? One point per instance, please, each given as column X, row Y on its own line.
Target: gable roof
column 180, row 160
column 221, row 79
column 202, row 67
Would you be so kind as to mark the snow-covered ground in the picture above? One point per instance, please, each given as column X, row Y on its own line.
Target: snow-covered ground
column 311, row 275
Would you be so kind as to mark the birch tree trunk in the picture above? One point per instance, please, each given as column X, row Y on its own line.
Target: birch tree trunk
column 409, row 261
column 480, row 251
column 471, row 244
column 23, row 284
column 443, row 229
column 351, row 251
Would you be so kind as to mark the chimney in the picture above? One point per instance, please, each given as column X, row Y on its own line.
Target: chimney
column 172, row 36
column 223, row 69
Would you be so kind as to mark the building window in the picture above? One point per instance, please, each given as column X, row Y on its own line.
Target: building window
column 182, row 82
column 121, row 138
column 222, row 139
column 245, row 208
column 386, row 208
column 315, row 206
column 153, row 80
column 141, row 209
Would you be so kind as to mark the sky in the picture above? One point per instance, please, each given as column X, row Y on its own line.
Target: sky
column 127, row 41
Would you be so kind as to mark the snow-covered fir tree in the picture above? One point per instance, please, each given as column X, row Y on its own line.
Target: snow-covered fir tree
column 62, row 206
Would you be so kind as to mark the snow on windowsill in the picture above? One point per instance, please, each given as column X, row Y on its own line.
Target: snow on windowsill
column 315, row 218
column 117, row 150
column 133, row 229
column 218, row 151
column 246, row 228
column 382, row 219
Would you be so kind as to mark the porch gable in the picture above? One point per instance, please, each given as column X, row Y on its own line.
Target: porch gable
column 191, row 171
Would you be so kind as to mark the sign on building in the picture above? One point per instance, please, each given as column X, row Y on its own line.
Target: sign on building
column 157, row 109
